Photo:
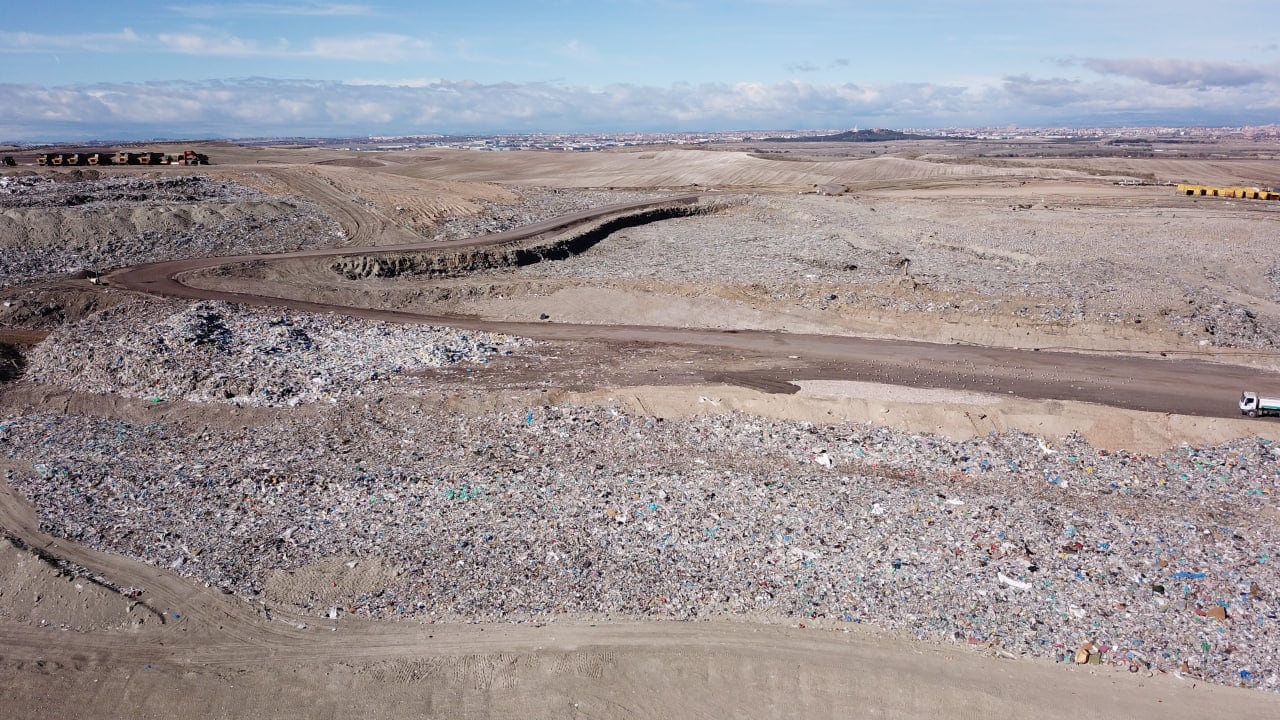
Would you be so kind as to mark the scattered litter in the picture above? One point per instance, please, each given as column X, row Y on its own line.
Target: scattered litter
column 1018, row 584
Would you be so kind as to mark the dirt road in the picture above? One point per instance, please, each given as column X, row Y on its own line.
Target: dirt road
column 1156, row 384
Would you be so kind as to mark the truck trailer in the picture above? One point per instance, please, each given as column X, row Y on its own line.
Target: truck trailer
column 1253, row 405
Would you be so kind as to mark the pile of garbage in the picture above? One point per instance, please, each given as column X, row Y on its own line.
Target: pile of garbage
column 51, row 228
column 964, row 258
column 220, row 352
column 1223, row 323
column 1007, row 542
column 21, row 184
column 115, row 191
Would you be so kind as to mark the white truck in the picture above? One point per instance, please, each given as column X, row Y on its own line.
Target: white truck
column 1253, row 405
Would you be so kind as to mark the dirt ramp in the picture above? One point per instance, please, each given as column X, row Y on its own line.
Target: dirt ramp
column 361, row 267
column 575, row 671
column 12, row 363
column 330, row 583
column 32, row 592
column 352, row 163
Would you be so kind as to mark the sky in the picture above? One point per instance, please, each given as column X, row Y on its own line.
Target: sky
column 132, row 69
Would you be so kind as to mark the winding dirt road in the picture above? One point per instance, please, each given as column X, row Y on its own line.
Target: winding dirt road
column 1135, row 382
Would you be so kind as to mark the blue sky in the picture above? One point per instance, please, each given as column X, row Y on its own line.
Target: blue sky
column 134, row 69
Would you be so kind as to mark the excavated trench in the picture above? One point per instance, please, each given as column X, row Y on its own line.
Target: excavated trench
column 436, row 264
column 12, row 362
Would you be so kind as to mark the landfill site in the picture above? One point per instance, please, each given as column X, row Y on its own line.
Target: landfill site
column 895, row 430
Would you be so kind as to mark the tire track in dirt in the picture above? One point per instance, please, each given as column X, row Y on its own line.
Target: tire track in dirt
column 361, row 226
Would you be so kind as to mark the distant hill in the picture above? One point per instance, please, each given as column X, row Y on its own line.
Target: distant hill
column 877, row 135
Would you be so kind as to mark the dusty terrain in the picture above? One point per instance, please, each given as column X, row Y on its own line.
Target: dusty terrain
column 220, row 510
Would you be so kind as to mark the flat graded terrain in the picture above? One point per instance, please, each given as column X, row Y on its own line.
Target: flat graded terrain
column 924, row 429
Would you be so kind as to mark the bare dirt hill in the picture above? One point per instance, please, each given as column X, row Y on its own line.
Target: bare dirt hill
column 703, row 168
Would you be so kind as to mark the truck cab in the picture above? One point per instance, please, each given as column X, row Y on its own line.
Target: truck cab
column 1249, row 404
column 1253, row 405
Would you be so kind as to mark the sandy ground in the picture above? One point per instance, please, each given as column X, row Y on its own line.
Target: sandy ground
column 67, row 644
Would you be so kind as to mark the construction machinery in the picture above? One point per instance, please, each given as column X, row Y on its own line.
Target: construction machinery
column 187, row 157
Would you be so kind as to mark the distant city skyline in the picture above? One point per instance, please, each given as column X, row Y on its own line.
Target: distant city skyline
column 139, row 69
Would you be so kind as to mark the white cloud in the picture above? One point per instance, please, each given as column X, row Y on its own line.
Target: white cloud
column 1185, row 73
column 308, row 9
column 377, row 47
column 270, row 107
column 405, row 82
column 372, row 47
column 207, row 45
column 369, row 47
column 125, row 39
column 578, row 51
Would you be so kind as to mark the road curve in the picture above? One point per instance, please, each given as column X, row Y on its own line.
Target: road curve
column 1188, row 387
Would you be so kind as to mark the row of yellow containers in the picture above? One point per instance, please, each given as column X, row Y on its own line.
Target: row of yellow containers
column 1247, row 193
